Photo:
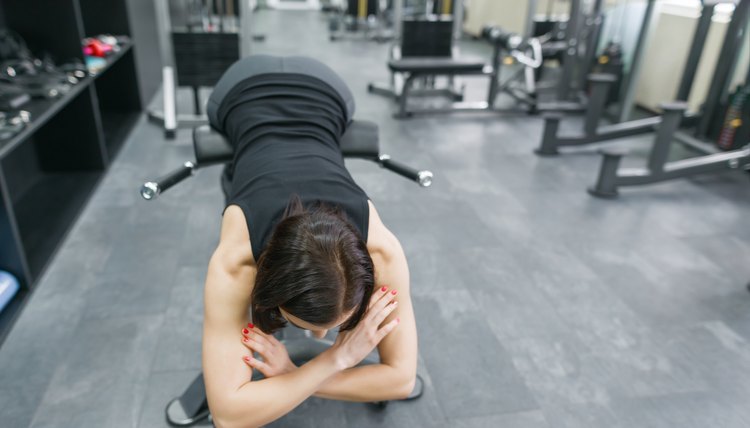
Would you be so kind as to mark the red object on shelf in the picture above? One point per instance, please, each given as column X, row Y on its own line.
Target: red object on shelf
column 94, row 47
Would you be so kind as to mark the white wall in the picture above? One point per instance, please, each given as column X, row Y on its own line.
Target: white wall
column 666, row 54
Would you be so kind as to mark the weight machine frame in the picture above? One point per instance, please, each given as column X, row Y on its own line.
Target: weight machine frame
column 593, row 133
column 167, row 116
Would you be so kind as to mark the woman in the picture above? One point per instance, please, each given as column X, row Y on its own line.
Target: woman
column 300, row 243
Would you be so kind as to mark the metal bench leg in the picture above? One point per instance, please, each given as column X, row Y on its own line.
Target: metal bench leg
column 672, row 118
column 403, row 113
column 600, row 84
column 549, row 137
column 606, row 185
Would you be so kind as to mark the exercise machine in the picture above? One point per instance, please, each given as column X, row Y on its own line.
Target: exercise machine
column 211, row 148
column 572, row 42
column 214, row 35
column 526, row 52
column 593, row 133
column 362, row 19
column 421, row 32
column 611, row 177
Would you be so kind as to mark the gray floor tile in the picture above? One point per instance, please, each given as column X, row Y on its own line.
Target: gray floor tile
column 102, row 380
column 533, row 419
column 459, row 349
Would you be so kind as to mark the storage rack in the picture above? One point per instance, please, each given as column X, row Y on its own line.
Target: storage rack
column 50, row 169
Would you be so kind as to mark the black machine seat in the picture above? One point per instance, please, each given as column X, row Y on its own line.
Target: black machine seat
column 210, row 146
column 360, row 140
column 446, row 66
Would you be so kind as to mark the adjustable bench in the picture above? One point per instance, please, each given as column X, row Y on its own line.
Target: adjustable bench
column 414, row 68
column 361, row 140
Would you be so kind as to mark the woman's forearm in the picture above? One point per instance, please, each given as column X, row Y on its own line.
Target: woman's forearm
column 375, row 382
column 257, row 403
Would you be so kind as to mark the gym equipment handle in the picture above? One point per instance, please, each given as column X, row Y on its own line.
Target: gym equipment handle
column 150, row 190
column 423, row 178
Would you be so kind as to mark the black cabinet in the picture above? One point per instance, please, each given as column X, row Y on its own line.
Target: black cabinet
column 49, row 171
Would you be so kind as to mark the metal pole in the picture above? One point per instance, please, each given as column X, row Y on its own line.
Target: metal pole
column 246, row 28
column 458, row 19
column 398, row 17
column 164, row 27
column 571, row 53
column 725, row 65
column 672, row 117
column 530, row 15
column 696, row 51
column 594, row 28
column 626, row 108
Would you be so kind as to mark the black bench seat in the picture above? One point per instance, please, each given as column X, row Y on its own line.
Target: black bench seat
column 430, row 65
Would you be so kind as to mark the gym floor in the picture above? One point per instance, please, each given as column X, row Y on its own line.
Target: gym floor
column 537, row 305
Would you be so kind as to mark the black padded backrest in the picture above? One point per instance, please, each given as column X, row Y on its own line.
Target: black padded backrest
column 211, row 147
column 202, row 58
column 361, row 140
column 431, row 37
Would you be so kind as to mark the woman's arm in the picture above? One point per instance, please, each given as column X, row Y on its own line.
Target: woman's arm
column 233, row 398
column 394, row 377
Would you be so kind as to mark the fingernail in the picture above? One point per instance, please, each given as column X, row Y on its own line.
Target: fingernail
column 384, row 289
column 246, row 331
column 394, row 292
column 398, row 320
column 250, row 325
column 244, row 340
column 246, row 358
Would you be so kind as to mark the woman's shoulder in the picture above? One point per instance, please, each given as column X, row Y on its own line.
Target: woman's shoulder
column 382, row 244
column 234, row 241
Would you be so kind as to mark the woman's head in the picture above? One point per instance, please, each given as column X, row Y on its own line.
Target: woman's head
column 314, row 271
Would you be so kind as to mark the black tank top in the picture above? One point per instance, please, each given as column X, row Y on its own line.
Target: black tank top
column 286, row 130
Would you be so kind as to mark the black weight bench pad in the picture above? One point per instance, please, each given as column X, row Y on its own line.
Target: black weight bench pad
column 360, row 140
column 436, row 66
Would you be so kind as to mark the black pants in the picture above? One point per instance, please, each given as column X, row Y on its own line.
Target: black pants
column 255, row 65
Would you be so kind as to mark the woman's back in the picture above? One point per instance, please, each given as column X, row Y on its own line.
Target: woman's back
column 286, row 131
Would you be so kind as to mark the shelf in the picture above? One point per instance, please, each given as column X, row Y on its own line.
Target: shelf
column 42, row 110
column 117, row 126
column 11, row 311
column 112, row 59
column 118, row 99
column 46, row 211
column 51, row 168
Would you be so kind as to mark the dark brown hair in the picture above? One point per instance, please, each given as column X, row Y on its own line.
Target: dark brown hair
column 315, row 266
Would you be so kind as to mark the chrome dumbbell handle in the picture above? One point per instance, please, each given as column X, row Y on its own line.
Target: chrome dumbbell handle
column 151, row 189
column 423, row 178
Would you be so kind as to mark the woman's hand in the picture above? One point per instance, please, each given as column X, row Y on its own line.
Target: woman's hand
column 275, row 356
column 352, row 346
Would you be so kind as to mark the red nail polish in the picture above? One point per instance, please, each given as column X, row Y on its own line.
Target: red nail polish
column 246, row 358
column 246, row 331
column 250, row 325
column 244, row 340
column 394, row 292
column 384, row 289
